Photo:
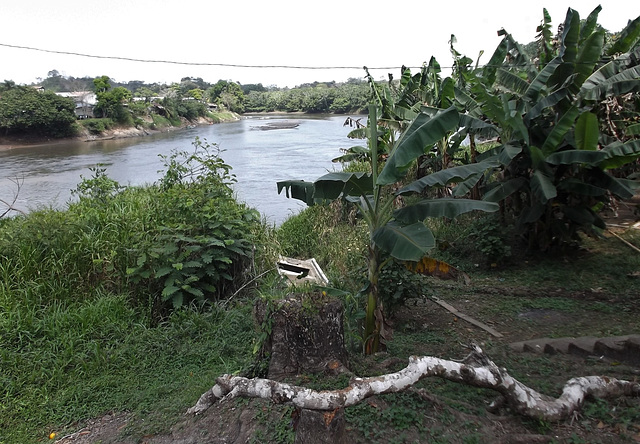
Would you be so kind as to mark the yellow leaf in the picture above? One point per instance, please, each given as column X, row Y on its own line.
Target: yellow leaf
column 433, row 267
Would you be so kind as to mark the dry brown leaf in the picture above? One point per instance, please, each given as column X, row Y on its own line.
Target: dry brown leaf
column 434, row 267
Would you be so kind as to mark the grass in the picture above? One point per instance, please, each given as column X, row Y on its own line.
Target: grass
column 68, row 362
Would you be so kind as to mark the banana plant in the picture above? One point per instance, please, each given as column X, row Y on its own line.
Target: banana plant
column 556, row 152
column 400, row 233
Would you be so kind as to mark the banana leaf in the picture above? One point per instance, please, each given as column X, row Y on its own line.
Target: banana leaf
column 620, row 187
column 354, row 153
column 544, row 38
column 497, row 59
column 429, row 266
column 583, row 216
column 590, row 54
column 619, row 154
column 570, row 36
column 449, row 175
column 517, row 123
column 621, row 83
column 590, row 23
column 466, row 185
column 297, row 189
column 587, row 132
column 445, row 207
column 477, row 126
column 538, row 160
column 334, row 185
column 423, row 132
column 504, row 189
column 627, row 38
column 503, row 153
column 615, row 77
column 547, row 102
column 542, row 187
column 465, row 99
column 568, row 49
column 407, row 243
column 511, row 82
column 569, row 157
column 533, row 92
column 632, row 130
column 532, row 213
column 562, row 127
column 577, row 186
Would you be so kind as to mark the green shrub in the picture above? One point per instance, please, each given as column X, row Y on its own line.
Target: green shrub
column 97, row 126
column 396, row 284
column 75, row 326
column 201, row 247
column 491, row 239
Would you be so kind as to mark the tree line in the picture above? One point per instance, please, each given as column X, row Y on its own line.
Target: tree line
column 37, row 110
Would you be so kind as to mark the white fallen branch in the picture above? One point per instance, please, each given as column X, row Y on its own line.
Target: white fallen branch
column 476, row 370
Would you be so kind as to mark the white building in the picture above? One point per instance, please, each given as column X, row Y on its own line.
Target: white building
column 84, row 100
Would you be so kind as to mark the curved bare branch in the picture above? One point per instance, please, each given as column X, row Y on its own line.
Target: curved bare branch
column 475, row 370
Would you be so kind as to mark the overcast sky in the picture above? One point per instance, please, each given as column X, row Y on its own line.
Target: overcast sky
column 326, row 33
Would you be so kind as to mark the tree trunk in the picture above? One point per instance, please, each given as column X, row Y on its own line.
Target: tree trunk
column 318, row 427
column 307, row 335
column 475, row 370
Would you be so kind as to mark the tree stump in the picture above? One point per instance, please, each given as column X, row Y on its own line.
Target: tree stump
column 306, row 335
column 316, row 427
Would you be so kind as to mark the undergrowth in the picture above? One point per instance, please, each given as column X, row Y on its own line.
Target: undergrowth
column 133, row 299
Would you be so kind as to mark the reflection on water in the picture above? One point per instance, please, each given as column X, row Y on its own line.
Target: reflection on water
column 258, row 158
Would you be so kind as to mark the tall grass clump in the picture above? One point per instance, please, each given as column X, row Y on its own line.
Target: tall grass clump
column 111, row 305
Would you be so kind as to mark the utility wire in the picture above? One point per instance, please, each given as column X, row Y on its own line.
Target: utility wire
column 235, row 65
column 173, row 62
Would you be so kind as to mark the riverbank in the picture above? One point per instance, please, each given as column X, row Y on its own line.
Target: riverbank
column 23, row 141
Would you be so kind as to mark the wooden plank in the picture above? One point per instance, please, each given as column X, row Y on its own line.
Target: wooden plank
column 629, row 244
column 467, row 318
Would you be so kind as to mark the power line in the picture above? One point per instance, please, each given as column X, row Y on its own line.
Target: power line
column 236, row 65
column 173, row 62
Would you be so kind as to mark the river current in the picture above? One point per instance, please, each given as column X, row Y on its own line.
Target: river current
column 259, row 158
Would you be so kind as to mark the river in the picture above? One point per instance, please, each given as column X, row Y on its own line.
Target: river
column 259, row 159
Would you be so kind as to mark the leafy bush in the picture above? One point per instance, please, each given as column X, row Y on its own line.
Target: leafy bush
column 397, row 284
column 201, row 246
column 76, row 326
column 491, row 239
column 191, row 109
column 97, row 126
column 99, row 187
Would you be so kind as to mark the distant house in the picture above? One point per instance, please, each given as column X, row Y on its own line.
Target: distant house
column 84, row 100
